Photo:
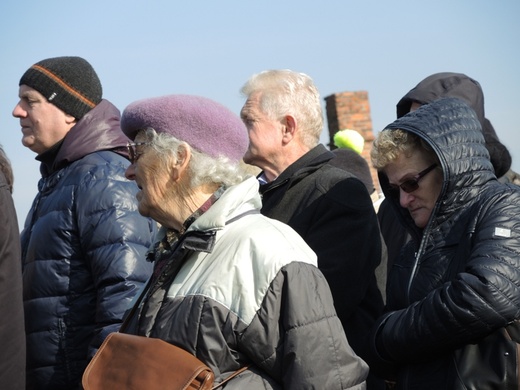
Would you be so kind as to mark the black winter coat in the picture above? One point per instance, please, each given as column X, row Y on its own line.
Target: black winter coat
column 458, row 280
column 12, row 336
column 332, row 210
column 83, row 251
column 433, row 87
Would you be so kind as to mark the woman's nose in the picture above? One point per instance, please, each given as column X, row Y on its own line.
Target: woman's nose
column 130, row 172
column 405, row 198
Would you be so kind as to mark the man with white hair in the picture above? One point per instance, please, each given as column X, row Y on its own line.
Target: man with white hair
column 328, row 206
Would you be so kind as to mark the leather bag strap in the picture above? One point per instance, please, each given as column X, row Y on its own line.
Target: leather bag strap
column 134, row 308
column 234, row 374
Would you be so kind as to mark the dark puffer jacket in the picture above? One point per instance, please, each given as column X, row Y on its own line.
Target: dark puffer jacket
column 459, row 279
column 83, row 250
column 433, row 87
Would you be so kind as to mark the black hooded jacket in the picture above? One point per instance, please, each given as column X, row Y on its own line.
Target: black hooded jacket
column 433, row 87
column 458, row 279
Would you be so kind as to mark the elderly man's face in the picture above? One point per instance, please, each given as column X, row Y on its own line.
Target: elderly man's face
column 265, row 134
column 43, row 124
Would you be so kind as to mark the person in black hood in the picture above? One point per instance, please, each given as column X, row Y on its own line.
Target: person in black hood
column 457, row 281
column 459, row 85
column 433, row 87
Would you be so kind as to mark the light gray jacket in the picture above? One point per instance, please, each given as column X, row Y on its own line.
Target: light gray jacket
column 249, row 291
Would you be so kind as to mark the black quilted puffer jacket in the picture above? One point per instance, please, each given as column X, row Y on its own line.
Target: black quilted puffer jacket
column 457, row 280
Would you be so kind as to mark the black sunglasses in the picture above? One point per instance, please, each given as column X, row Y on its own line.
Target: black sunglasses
column 411, row 185
column 133, row 154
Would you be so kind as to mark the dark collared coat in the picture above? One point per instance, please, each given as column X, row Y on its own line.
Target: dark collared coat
column 333, row 212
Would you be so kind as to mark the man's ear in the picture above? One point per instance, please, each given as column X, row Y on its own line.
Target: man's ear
column 70, row 120
column 289, row 131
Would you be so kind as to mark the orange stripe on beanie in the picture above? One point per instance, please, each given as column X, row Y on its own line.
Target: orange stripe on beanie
column 204, row 124
column 70, row 83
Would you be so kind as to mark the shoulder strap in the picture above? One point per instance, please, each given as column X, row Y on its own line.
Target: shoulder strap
column 234, row 374
column 133, row 310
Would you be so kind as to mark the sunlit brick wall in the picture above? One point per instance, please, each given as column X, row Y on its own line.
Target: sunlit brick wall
column 351, row 110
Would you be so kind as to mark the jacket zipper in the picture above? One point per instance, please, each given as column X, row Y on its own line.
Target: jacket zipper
column 415, row 267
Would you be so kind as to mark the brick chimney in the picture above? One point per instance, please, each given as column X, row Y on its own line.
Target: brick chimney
column 351, row 110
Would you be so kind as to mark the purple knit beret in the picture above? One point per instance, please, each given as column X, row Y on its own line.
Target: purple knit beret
column 204, row 124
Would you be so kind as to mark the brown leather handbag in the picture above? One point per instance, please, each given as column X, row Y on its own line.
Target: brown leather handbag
column 131, row 362
column 126, row 361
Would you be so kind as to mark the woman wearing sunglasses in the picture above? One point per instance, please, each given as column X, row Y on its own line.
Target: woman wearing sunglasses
column 457, row 282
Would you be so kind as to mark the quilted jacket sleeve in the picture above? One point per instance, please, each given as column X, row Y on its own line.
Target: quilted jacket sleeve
column 297, row 337
column 114, row 238
column 481, row 298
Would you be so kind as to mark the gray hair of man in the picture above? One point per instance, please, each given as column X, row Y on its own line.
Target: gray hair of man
column 203, row 169
column 286, row 92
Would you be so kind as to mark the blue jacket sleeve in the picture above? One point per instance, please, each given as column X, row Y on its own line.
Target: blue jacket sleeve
column 114, row 238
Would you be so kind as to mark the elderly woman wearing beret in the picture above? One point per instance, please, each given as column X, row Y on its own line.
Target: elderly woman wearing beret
column 230, row 286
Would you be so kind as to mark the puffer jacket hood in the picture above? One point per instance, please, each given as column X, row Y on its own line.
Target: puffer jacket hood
column 98, row 130
column 458, row 85
column 460, row 280
column 452, row 126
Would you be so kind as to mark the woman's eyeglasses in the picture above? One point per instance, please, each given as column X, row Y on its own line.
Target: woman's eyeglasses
column 133, row 154
column 412, row 184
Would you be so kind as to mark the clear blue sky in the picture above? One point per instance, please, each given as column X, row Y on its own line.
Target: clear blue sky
column 150, row 48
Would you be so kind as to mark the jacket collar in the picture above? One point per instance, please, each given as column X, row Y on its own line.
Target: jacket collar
column 98, row 130
column 233, row 203
column 306, row 164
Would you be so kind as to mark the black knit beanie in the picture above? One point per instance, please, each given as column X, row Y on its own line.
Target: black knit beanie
column 70, row 83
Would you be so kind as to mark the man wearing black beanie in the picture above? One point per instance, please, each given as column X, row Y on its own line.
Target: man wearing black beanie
column 84, row 240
